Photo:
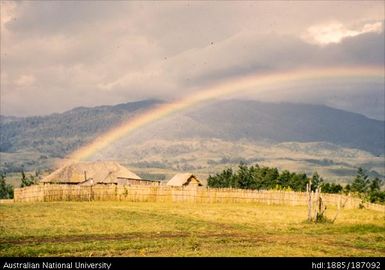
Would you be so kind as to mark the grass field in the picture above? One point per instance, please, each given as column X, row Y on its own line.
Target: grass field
column 165, row 229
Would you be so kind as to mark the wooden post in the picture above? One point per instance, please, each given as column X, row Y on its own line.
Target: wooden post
column 339, row 203
column 339, row 208
column 308, row 188
column 91, row 194
column 317, row 206
column 322, row 208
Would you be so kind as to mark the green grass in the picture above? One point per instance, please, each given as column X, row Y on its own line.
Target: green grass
column 185, row 229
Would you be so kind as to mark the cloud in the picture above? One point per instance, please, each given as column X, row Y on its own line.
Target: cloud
column 335, row 32
column 63, row 54
column 25, row 80
column 7, row 10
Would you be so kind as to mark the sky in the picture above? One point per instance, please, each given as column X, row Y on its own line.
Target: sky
column 57, row 55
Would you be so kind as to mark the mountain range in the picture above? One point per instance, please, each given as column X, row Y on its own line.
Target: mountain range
column 35, row 142
column 275, row 122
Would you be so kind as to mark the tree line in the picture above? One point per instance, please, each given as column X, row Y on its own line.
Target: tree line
column 264, row 178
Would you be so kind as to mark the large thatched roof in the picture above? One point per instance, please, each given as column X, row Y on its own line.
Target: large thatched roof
column 183, row 179
column 99, row 172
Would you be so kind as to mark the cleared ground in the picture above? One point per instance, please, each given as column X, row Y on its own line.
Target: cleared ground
column 166, row 229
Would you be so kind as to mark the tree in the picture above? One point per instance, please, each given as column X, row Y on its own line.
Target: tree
column 375, row 194
column 361, row 182
column 368, row 189
column 316, row 181
column 298, row 181
column 347, row 189
column 271, row 178
column 245, row 177
column 331, row 188
column 377, row 197
column 6, row 190
column 284, row 179
column 375, row 185
column 222, row 180
column 256, row 177
column 27, row 181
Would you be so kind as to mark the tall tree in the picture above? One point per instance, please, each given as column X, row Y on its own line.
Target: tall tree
column 361, row 182
column 246, row 177
column 222, row 180
column 316, row 181
column 6, row 190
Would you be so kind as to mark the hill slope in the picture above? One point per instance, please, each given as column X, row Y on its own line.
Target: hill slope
column 35, row 141
column 232, row 120
column 236, row 119
column 58, row 134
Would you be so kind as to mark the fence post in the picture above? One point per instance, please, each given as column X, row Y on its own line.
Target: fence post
column 308, row 188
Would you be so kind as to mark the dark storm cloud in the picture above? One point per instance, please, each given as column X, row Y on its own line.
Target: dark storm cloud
column 105, row 52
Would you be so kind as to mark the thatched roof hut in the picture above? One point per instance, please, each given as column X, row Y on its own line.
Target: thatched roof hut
column 184, row 179
column 104, row 172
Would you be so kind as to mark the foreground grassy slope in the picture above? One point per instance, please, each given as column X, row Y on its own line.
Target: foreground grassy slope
column 159, row 229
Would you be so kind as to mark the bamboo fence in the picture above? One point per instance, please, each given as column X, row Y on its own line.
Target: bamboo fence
column 141, row 193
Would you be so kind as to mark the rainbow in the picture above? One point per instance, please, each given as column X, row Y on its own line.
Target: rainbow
column 225, row 88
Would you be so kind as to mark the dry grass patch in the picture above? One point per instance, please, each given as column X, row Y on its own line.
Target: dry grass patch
column 171, row 229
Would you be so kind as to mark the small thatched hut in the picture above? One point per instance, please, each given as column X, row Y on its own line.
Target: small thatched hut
column 92, row 173
column 184, row 179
